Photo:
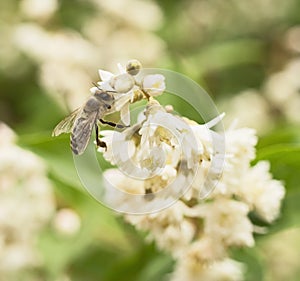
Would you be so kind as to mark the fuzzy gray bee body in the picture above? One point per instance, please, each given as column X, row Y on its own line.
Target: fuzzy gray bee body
column 82, row 121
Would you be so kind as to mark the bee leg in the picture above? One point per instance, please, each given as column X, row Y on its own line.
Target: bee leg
column 98, row 141
column 120, row 126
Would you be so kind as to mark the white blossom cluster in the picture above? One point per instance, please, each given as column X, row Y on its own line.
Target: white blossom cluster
column 283, row 87
column 164, row 151
column 128, row 87
column 66, row 57
column 237, row 108
column 283, row 90
column 26, row 205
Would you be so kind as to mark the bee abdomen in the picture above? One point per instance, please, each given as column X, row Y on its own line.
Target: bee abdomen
column 74, row 145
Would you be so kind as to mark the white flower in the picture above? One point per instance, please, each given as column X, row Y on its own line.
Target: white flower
column 63, row 57
column 204, row 251
column 55, row 76
column 124, row 183
column 37, row 9
column 227, row 220
column 169, row 228
column 169, row 172
column 240, row 146
column 120, row 148
column 66, row 222
column 237, row 109
column 239, row 151
column 282, row 88
column 190, row 269
column 26, row 204
column 130, row 12
column 261, row 192
column 126, row 88
column 119, row 189
column 64, row 47
column 162, row 127
column 210, row 152
column 159, row 140
column 165, row 157
column 123, row 87
column 121, row 83
column 154, row 84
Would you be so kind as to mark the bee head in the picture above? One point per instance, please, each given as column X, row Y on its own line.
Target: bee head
column 104, row 97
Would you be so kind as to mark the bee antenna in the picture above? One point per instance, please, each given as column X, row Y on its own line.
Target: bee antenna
column 96, row 85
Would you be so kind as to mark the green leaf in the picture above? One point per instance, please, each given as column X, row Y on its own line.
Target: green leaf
column 289, row 214
column 283, row 135
column 221, row 55
column 252, row 260
column 290, row 152
column 282, row 149
column 99, row 230
column 57, row 154
column 285, row 163
column 157, row 269
column 146, row 263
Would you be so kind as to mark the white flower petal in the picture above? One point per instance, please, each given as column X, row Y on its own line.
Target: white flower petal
column 105, row 75
column 215, row 121
column 154, row 84
column 125, row 114
column 121, row 68
column 105, row 86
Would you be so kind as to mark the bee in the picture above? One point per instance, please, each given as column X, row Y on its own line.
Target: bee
column 81, row 121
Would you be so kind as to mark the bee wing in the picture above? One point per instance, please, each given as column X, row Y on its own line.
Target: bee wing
column 82, row 131
column 66, row 125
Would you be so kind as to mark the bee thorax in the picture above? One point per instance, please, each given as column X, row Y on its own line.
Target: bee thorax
column 91, row 105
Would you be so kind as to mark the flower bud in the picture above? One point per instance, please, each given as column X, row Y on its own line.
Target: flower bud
column 133, row 67
column 122, row 83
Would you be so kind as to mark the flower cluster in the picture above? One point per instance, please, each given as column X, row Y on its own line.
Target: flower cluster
column 260, row 115
column 26, row 205
column 128, row 87
column 162, row 155
column 282, row 89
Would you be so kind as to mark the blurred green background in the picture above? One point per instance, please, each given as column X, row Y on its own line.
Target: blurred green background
column 246, row 54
